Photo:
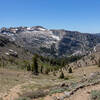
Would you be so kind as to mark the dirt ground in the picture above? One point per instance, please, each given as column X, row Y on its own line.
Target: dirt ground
column 13, row 83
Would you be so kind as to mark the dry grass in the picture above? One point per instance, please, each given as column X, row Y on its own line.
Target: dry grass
column 79, row 73
column 10, row 78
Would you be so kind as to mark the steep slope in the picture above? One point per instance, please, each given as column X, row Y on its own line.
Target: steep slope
column 9, row 49
column 76, row 42
column 88, row 60
column 46, row 42
column 98, row 34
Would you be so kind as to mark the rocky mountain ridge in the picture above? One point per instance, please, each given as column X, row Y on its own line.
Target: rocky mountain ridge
column 53, row 42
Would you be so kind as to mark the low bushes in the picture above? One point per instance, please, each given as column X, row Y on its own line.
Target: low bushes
column 35, row 94
column 23, row 98
column 95, row 95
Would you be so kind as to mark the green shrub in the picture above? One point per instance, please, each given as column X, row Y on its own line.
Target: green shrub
column 35, row 94
column 57, row 91
column 95, row 95
column 23, row 98
column 28, row 67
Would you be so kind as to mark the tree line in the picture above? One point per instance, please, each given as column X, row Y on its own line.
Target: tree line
column 55, row 64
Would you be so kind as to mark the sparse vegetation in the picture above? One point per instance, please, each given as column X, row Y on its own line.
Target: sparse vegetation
column 35, row 94
column 95, row 95
column 56, row 91
column 59, row 52
column 23, row 98
column 50, row 71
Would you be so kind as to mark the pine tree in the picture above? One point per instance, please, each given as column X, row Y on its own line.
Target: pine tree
column 35, row 65
column 99, row 62
column 70, row 70
column 41, row 70
column 28, row 67
column 61, row 75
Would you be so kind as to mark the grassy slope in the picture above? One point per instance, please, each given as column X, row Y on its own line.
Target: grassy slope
column 11, row 78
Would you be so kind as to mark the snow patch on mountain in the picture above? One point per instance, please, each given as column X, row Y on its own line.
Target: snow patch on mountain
column 56, row 37
column 41, row 29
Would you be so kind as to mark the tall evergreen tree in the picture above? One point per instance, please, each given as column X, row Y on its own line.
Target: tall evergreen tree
column 35, row 65
column 61, row 75
column 70, row 70
column 99, row 62
column 28, row 67
column 41, row 70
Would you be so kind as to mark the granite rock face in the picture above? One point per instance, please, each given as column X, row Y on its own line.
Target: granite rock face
column 47, row 42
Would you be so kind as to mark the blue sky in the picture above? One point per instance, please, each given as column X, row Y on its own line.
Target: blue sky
column 78, row 15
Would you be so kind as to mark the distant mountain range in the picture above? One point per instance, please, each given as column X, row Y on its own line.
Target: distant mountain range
column 53, row 42
column 98, row 34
